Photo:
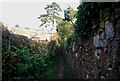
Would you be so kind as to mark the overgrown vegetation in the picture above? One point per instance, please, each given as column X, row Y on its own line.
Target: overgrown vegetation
column 88, row 19
column 65, row 26
column 24, row 63
column 91, row 14
column 24, row 59
column 28, row 61
column 79, row 46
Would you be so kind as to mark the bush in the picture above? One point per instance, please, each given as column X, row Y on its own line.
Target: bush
column 70, row 38
column 24, row 64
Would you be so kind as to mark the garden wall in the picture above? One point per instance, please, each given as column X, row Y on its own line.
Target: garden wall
column 98, row 57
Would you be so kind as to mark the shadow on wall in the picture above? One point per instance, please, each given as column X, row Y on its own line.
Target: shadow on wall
column 99, row 56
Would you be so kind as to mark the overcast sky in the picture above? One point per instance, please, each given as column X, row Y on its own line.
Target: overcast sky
column 25, row 12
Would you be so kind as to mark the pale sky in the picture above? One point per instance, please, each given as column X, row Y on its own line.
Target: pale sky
column 25, row 12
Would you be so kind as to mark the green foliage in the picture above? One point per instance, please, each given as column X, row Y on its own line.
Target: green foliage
column 52, row 14
column 70, row 38
column 87, row 14
column 91, row 14
column 54, row 8
column 24, row 64
column 70, row 14
column 37, row 61
column 53, row 49
column 64, row 28
column 44, row 18
column 52, row 69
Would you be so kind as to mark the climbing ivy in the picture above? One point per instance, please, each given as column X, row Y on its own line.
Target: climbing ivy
column 91, row 14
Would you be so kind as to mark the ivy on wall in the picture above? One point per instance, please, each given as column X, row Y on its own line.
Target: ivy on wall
column 91, row 14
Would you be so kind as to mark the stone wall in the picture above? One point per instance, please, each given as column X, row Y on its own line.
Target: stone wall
column 97, row 58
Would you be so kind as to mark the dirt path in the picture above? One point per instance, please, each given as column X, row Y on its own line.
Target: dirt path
column 60, row 74
column 63, row 72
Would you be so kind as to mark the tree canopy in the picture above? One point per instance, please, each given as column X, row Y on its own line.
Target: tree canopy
column 70, row 14
column 52, row 14
column 65, row 26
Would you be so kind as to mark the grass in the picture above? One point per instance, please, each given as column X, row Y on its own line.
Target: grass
column 52, row 69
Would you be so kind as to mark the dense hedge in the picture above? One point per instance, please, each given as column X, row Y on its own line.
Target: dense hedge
column 24, row 59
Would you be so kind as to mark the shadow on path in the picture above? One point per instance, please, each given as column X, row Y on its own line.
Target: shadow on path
column 60, row 74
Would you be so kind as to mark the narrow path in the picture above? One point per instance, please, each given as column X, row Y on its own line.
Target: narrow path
column 60, row 72
column 61, row 69
column 63, row 72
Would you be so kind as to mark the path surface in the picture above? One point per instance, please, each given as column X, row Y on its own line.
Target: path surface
column 63, row 72
column 60, row 74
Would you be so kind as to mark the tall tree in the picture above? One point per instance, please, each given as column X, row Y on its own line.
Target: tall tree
column 64, row 26
column 52, row 14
